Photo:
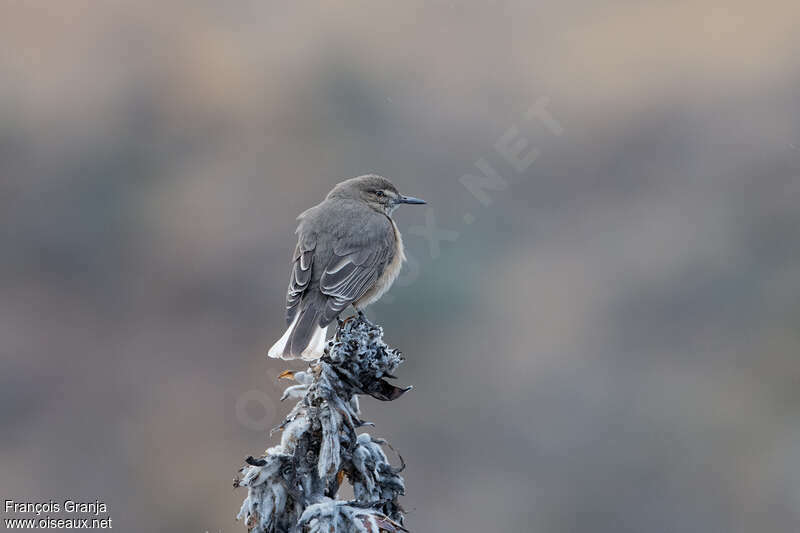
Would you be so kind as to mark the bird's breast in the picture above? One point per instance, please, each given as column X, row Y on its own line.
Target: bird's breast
column 389, row 274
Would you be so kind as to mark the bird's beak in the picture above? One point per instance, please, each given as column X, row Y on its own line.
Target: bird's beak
column 410, row 200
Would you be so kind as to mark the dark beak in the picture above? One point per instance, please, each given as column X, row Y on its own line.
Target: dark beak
column 410, row 200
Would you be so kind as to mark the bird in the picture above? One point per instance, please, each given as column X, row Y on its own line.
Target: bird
column 349, row 252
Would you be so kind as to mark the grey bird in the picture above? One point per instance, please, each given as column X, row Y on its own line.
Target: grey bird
column 349, row 251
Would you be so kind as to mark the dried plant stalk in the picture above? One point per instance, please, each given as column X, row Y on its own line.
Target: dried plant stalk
column 292, row 488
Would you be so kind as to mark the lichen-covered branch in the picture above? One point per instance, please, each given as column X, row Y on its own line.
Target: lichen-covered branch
column 292, row 488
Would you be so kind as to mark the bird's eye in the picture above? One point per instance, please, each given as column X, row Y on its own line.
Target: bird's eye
column 380, row 194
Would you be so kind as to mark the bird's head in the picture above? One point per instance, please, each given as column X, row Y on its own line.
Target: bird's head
column 376, row 191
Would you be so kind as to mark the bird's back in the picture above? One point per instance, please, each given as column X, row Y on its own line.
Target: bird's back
column 348, row 253
column 340, row 227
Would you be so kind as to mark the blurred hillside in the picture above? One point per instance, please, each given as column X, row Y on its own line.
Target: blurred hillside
column 610, row 345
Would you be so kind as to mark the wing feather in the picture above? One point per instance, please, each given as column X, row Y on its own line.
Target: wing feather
column 343, row 248
column 346, row 283
column 302, row 263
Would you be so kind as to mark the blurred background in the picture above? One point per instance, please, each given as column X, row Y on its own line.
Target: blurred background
column 606, row 342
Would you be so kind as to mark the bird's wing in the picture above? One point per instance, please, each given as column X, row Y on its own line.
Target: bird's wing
column 357, row 260
column 302, row 261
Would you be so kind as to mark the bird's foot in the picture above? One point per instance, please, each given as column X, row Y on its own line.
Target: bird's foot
column 362, row 317
column 341, row 325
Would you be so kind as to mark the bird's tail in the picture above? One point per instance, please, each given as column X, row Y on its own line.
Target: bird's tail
column 304, row 338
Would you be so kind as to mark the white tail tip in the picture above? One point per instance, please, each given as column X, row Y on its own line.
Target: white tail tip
column 276, row 351
column 314, row 350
